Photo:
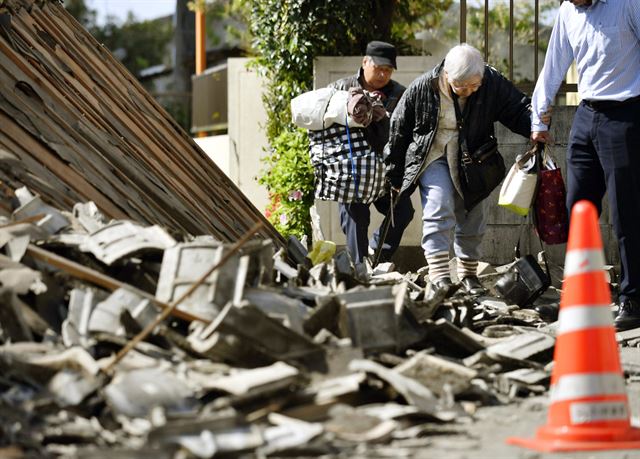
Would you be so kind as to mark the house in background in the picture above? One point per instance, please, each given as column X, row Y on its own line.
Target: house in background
column 174, row 86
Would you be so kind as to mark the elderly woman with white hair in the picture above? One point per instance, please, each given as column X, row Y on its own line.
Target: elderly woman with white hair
column 424, row 150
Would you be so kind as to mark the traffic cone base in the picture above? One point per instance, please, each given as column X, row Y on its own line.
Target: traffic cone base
column 579, row 439
column 612, row 434
column 589, row 409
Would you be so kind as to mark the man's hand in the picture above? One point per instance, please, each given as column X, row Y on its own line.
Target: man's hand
column 542, row 136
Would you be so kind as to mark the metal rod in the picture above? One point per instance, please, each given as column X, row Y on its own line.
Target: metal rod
column 511, row 29
column 486, row 30
column 463, row 21
column 201, row 48
column 536, row 39
column 32, row 219
column 102, row 280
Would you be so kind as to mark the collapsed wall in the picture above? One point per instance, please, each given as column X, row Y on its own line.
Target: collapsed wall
column 75, row 125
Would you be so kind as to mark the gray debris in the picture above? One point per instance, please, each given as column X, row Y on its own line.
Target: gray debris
column 269, row 356
column 184, row 264
column 137, row 392
column 525, row 346
column 264, row 379
column 31, row 205
column 438, row 374
column 124, row 238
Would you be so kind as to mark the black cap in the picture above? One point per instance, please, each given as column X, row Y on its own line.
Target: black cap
column 382, row 53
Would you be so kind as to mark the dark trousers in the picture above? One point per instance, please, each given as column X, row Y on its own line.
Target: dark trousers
column 355, row 219
column 604, row 155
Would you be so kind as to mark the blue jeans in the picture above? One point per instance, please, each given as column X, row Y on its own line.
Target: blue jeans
column 443, row 212
column 604, row 155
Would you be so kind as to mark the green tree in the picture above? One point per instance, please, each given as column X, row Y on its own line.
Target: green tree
column 83, row 14
column 137, row 44
column 290, row 182
column 523, row 28
column 225, row 21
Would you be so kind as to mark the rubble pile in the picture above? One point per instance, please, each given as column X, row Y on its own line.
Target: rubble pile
column 122, row 340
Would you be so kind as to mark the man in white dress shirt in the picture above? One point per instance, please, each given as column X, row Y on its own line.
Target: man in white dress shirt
column 603, row 155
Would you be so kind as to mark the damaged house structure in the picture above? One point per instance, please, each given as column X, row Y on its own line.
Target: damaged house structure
column 147, row 309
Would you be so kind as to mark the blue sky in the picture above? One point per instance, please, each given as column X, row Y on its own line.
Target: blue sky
column 142, row 9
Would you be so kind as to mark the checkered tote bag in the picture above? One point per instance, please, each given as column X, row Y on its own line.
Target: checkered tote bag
column 346, row 168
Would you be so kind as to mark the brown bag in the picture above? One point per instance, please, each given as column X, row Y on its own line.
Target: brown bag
column 551, row 216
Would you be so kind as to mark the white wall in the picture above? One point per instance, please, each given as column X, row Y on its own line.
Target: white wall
column 238, row 154
column 247, row 140
column 217, row 148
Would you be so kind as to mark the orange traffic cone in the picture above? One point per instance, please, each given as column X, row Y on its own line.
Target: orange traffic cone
column 589, row 408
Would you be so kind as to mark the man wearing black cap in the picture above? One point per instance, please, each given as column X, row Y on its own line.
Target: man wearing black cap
column 375, row 76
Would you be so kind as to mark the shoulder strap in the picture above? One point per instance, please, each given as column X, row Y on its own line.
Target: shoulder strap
column 462, row 128
column 354, row 172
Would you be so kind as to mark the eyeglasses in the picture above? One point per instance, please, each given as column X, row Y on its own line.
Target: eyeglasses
column 457, row 86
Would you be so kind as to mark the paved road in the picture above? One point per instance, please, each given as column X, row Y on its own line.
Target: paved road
column 485, row 438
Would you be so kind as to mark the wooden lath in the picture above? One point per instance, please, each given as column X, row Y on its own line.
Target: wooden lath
column 75, row 125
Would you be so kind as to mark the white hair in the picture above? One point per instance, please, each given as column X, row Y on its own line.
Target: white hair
column 463, row 62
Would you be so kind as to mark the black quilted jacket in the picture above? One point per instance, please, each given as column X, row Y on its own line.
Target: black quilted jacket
column 415, row 120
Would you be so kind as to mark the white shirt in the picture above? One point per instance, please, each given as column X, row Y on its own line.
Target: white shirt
column 604, row 40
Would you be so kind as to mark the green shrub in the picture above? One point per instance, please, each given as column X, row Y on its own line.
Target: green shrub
column 288, row 175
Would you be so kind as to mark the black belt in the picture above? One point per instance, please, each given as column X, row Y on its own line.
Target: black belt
column 606, row 104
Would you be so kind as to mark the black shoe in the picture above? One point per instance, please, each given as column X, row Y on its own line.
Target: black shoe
column 443, row 288
column 548, row 312
column 628, row 315
column 442, row 283
column 473, row 286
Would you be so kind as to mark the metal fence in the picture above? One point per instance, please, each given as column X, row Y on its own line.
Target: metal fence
column 487, row 36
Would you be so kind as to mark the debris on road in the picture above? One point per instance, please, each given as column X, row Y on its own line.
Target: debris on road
column 151, row 342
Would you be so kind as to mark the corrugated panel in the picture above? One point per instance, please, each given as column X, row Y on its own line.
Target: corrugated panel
column 75, row 125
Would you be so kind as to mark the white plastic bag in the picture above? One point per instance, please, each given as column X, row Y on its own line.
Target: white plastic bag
column 519, row 186
column 308, row 109
column 337, row 110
